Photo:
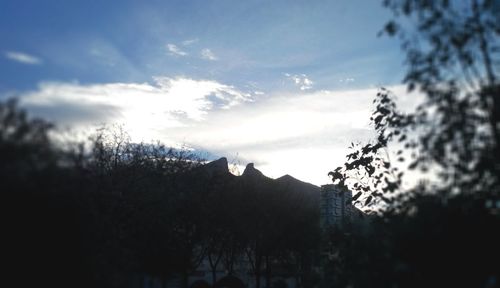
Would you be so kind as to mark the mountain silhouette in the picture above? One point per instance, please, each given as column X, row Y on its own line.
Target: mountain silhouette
column 217, row 173
column 296, row 185
column 250, row 171
column 215, row 168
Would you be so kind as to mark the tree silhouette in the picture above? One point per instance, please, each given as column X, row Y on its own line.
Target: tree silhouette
column 453, row 58
column 440, row 233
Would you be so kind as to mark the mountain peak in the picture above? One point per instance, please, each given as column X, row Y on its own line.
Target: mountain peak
column 218, row 166
column 221, row 161
column 250, row 170
column 286, row 177
column 294, row 184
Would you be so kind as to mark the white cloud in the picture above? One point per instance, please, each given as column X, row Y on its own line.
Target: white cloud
column 346, row 80
column 142, row 107
column 23, row 58
column 207, row 54
column 301, row 81
column 175, row 51
column 190, row 41
column 304, row 135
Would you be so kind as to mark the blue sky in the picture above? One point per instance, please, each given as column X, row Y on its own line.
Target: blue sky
column 284, row 84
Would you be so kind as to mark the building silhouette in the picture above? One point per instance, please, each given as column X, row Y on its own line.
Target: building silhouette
column 335, row 206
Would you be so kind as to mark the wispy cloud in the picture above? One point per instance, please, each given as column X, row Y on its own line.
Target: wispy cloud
column 175, row 50
column 23, row 58
column 207, row 54
column 346, row 80
column 301, row 81
column 190, row 41
column 142, row 107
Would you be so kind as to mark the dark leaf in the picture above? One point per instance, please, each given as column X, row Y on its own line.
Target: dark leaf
column 355, row 197
column 368, row 200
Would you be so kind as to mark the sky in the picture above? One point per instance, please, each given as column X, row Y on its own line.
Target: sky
column 287, row 85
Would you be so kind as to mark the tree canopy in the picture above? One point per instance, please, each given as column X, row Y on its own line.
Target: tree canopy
column 452, row 58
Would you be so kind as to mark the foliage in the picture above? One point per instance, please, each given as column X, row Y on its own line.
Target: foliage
column 24, row 143
column 453, row 59
column 368, row 170
column 444, row 234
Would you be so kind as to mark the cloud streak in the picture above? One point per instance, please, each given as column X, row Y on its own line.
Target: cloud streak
column 174, row 50
column 346, row 80
column 142, row 107
column 207, row 54
column 301, row 81
column 190, row 41
column 23, row 58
